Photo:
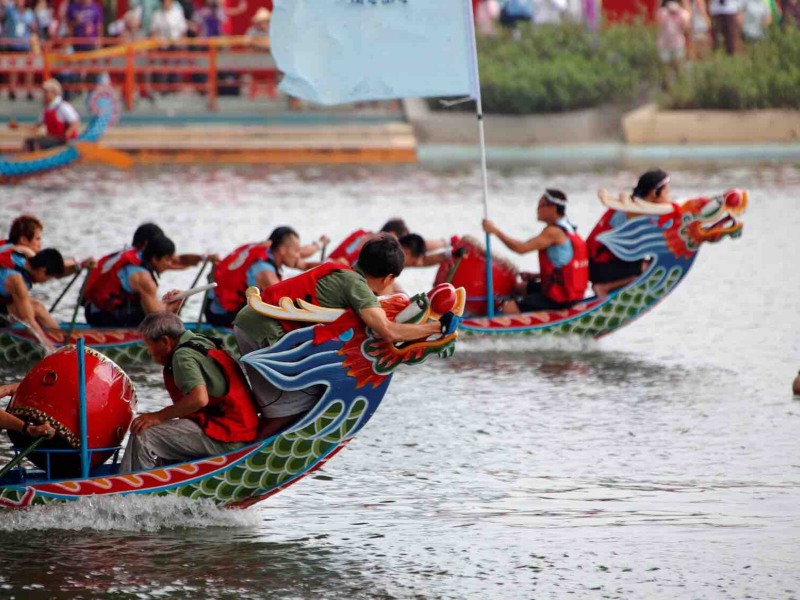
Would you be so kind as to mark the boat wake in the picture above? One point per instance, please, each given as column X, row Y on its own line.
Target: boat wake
column 128, row 513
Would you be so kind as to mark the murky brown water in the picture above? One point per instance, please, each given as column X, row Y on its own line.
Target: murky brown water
column 661, row 462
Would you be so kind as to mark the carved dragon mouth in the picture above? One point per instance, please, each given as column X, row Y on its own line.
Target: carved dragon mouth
column 717, row 219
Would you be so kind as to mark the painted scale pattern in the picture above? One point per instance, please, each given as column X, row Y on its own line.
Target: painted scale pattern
column 354, row 367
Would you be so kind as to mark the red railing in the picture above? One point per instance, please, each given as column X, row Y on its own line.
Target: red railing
column 142, row 68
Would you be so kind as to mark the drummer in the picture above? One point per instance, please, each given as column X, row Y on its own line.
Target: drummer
column 212, row 410
column 15, row 282
column 12, row 423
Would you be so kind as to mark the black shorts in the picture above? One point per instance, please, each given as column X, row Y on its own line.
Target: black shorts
column 127, row 316
column 219, row 320
column 614, row 270
column 534, row 299
column 43, row 142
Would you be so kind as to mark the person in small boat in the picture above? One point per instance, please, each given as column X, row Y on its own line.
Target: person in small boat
column 260, row 265
column 607, row 271
column 16, row 281
column 562, row 259
column 329, row 285
column 59, row 118
column 12, row 423
column 212, row 410
column 122, row 294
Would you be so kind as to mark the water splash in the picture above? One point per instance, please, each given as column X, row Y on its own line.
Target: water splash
column 127, row 513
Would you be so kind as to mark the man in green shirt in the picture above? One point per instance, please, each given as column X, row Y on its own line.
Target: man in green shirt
column 212, row 409
column 380, row 262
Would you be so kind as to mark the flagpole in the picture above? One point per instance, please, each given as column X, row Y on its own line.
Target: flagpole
column 476, row 86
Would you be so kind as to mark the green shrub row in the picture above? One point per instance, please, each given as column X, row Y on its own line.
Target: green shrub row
column 564, row 67
column 765, row 74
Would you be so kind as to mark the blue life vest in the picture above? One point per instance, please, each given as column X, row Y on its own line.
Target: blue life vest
column 518, row 10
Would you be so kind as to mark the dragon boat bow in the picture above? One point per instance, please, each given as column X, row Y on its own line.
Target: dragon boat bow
column 353, row 365
column 668, row 237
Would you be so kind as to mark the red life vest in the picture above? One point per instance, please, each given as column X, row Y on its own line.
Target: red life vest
column 230, row 274
column 598, row 252
column 568, row 283
column 55, row 126
column 103, row 265
column 106, row 291
column 7, row 262
column 350, row 248
column 228, row 418
column 7, row 259
column 302, row 286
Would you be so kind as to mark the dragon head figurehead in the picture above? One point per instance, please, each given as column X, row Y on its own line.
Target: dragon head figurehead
column 674, row 229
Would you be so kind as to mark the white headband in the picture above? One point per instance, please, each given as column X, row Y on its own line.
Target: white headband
column 553, row 200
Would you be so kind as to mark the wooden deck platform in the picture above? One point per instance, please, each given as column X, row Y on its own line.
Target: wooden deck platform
column 357, row 143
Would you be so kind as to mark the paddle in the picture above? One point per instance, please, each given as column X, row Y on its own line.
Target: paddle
column 191, row 292
column 77, row 306
column 196, row 279
column 19, row 457
column 66, row 289
column 323, row 252
column 94, row 152
column 36, row 335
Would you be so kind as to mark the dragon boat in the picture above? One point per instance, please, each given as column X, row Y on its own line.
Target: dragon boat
column 667, row 236
column 104, row 107
column 339, row 353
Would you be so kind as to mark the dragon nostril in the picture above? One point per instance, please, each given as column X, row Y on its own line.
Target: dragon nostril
column 733, row 200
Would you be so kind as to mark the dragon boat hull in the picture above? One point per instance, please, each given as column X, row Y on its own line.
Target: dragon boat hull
column 353, row 366
column 667, row 238
column 105, row 110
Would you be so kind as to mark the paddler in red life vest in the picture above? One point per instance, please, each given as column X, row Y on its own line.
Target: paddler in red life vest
column 12, row 423
column 562, row 259
column 123, row 294
column 606, row 271
column 59, row 118
column 260, row 265
column 17, row 276
column 212, row 408
column 25, row 240
column 329, row 285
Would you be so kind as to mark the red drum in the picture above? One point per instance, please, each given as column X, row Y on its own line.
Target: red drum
column 49, row 393
column 469, row 272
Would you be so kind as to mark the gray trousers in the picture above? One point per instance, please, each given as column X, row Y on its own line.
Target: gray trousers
column 176, row 440
column 275, row 403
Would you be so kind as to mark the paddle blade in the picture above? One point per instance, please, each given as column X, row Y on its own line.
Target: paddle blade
column 115, row 158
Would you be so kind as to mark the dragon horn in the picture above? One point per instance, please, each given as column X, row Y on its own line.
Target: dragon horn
column 626, row 203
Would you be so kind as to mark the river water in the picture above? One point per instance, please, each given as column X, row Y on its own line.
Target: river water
column 660, row 462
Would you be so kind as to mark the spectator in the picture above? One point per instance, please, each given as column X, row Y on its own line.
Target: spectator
column 514, row 11
column 790, row 9
column 259, row 25
column 232, row 11
column 486, row 15
column 168, row 24
column 673, row 23
column 698, row 40
column 209, row 19
column 725, row 24
column 756, row 17
column 17, row 27
column 45, row 24
column 85, row 21
column 128, row 28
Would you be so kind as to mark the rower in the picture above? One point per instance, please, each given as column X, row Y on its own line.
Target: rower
column 329, row 285
column 60, row 119
column 347, row 252
column 212, row 410
column 12, row 423
column 17, row 278
column 122, row 294
column 260, row 264
column 562, row 259
column 607, row 271
column 25, row 240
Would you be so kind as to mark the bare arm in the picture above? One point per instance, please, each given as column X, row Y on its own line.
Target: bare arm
column 196, row 399
column 72, row 130
column 8, row 389
column 266, row 278
column 23, row 307
column 551, row 235
column 142, row 283
column 439, row 244
column 376, row 319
